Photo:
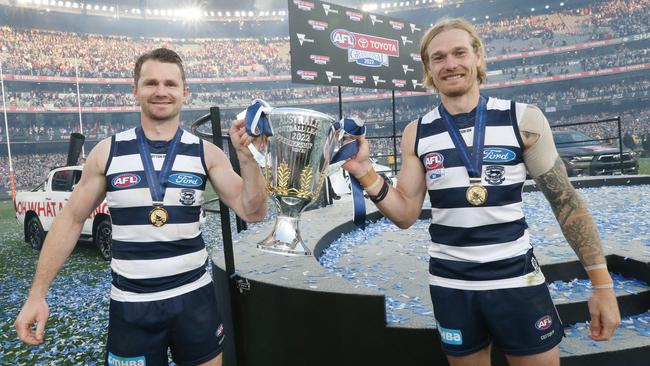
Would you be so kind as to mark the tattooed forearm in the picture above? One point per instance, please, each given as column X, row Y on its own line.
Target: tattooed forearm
column 572, row 214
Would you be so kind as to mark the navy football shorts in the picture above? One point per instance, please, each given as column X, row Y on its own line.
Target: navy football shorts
column 139, row 333
column 519, row 321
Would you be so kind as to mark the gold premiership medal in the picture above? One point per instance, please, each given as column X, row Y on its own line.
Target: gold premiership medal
column 476, row 194
column 158, row 216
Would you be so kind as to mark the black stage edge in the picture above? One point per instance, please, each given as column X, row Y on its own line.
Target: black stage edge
column 629, row 304
column 284, row 326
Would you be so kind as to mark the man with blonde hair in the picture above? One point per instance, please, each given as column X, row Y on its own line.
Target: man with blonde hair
column 471, row 154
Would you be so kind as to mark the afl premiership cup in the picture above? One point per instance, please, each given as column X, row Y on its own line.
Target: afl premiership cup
column 296, row 162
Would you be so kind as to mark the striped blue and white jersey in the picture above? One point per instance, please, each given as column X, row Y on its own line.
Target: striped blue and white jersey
column 477, row 247
column 153, row 263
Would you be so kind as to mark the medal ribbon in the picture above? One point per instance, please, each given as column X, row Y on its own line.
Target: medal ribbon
column 474, row 168
column 157, row 182
column 256, row 122
column 355, row 128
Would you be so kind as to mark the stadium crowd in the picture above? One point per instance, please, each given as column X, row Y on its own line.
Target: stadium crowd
column 29, row 169
column 293, row 96
column 54, row 53
column 407, row 108
column 602, row 20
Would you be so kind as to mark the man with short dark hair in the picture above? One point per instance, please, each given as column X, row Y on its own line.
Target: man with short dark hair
column 153, row 178
column 471, row 155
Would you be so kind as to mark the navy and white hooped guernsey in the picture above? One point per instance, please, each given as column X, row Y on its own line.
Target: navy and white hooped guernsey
column 477, row 247
column 154, row 263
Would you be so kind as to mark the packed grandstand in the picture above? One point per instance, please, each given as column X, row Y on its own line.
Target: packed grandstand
column 582, row 63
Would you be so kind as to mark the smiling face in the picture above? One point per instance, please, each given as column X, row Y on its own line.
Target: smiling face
column 160, row 90
column 453, row 63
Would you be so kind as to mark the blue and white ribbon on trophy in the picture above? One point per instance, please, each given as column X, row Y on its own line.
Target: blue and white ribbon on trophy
column 257, row 124
column 352, row 128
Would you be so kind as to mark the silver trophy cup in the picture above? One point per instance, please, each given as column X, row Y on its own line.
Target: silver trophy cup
column 297, row 158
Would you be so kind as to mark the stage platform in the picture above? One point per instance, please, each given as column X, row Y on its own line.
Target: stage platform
column 363, row 297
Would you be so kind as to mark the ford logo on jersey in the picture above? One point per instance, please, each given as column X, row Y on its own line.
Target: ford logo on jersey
column 185, row 180
column 125, row 180
column 498, row 155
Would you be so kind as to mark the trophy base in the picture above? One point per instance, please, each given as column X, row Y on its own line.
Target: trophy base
column 281, row 248
column 285, row 239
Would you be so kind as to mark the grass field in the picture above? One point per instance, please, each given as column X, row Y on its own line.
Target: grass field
column 78, row 299
column 644, row 166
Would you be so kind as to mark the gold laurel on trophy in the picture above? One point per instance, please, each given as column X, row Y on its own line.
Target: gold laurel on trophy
column 267, row 177
column 320, row 184
column 305, row 182
column 282, row 186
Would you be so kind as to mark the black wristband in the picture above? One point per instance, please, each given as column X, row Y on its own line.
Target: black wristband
column 382, row 192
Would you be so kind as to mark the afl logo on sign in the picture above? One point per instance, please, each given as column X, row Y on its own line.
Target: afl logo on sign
column 125, row 180
column 544, row 323
column 343, row 39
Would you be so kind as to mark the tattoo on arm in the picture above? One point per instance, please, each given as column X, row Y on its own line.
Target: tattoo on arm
column 571, row 213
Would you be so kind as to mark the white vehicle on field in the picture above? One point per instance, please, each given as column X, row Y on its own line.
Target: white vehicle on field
column 36, row 210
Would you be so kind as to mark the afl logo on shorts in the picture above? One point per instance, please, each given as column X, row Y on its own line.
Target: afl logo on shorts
column 544, row 323
column 434, row 164
column 125, row 180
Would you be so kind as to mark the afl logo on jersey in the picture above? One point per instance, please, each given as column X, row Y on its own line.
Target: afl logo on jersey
column 544, row 323
column 434, row 164
column 185, row 180
column 125, row 180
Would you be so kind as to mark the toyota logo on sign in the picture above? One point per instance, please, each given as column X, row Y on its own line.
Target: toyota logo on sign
column 363, row 42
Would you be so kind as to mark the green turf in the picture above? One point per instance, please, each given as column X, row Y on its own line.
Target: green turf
column 644, row 166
